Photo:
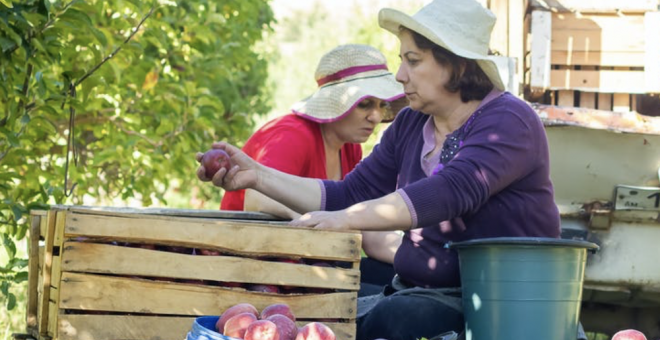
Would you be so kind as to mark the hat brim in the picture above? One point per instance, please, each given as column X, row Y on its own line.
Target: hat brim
column 332, row 102
column 391, row 20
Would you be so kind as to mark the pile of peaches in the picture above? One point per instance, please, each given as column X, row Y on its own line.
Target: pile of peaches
column 275, row 322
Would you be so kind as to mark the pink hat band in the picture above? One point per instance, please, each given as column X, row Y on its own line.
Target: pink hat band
column 347, row 72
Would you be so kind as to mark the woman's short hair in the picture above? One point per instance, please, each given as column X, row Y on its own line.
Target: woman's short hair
column 473, row 83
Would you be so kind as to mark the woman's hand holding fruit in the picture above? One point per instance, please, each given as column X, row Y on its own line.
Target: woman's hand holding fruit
column 228, row 167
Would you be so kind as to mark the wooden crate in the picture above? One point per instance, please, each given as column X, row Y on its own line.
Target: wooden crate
column 85, row 283
column 594, row 52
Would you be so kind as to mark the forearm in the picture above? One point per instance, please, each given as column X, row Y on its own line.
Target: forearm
column 387, row 213
column 298, row 193
column 381, row 245
column 255, row 201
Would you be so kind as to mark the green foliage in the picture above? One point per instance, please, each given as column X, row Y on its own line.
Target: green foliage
column 122, row 94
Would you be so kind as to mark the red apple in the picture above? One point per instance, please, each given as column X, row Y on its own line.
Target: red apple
column 287, row 328
column 278, row 308
column 315, row 331
column 238, row 324
column 215, row 159
column 629, row 334
column 234, row 310
column 262, row 330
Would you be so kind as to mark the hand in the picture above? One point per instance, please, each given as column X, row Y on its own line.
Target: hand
column 331, row 220
column 242, row 175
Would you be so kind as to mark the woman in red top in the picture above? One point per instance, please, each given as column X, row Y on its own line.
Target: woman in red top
column 321, row 137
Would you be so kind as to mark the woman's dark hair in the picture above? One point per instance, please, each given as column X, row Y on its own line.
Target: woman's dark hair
column 473, row 83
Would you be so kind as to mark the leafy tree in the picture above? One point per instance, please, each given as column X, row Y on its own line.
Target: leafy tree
column 111, row 99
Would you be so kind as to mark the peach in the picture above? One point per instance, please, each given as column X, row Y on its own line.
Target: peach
column 234, row 310
column 263, row 288
column 262, row 330
column 238, row 324
column 278, row 308
column 287, row 328
column 315, row 331
column 215, row 159
column 629, row 334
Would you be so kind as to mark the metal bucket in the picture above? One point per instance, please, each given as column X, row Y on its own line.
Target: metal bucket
column 203, row 328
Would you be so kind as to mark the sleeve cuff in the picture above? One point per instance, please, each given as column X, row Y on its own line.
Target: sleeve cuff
column 323, row 195
column 411, row 208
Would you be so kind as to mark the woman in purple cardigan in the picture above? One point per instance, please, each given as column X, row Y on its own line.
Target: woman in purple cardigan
column 465, row 160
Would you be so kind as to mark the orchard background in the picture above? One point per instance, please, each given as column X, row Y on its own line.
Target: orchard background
column 106, row 102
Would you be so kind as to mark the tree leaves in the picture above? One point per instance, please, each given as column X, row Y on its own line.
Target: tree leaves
column 183, row 80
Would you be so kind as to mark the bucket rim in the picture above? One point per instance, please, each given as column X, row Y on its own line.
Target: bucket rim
column 525, row 241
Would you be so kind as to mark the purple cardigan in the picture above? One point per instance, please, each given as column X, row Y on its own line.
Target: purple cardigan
column 492, row 180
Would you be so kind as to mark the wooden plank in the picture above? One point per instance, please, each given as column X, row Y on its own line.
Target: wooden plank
column 166, row 212
column 43, row 228
column 597, row 5
column 619, row 58
column 565, row 98
column 605, row 101
column 611, row 81
column 593, row 41
column 109, row 259
column 517, row 10
column 33, row 270
column 652, row 60
column 126, row 327
column 52, row 319
column 588, row 100
column 238, row 237
column 541, row 41
column 133, row 327
column 60, row 220
column 120, row 294
column 46, row 273
column 500, row 39
column 620, row 102
column 605, row 23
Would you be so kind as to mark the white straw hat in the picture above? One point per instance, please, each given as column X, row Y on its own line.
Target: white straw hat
column 346, row 75
column 462, row 27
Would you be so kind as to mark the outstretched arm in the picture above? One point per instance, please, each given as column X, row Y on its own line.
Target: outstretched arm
column 297, row 193
column 256, row 201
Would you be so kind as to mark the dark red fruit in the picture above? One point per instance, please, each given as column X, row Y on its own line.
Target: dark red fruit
column 215, row 159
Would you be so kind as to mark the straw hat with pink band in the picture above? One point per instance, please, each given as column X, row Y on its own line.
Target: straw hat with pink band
column 347, row 75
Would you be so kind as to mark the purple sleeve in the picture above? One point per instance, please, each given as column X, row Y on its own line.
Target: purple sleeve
column 500, row 148
column 374, row 177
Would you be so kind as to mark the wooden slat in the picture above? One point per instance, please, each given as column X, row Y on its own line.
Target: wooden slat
column 33, row 270
column 126, row 327
column 611, row 81
column 133, row 327
column 652, row 63
column 540, row 54
column 239, row 237
column 597, row 5
column 606, row 23
column 46, row 273
column 597, row 41
column 517, row 10
column 619, row 58
column 109, row 259
column 565, row 98
column 119, row 294
column 169, row 212
column 588, row 100
column 500, row 39
column 605, row 101
column 621, row 102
